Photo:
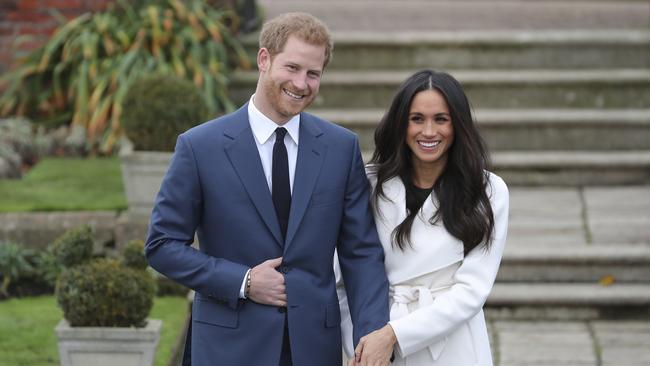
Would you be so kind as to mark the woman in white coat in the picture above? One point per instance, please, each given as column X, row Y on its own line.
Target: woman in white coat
column 442, row 219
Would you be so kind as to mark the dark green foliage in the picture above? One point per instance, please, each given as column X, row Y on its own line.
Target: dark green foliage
column 134, row 255
column 167, row 287
column 75, row 246
column 25, row 272
column 157, row 108
column 105, row 293
column 47, row 268
column 102, row 292
column 14, row 264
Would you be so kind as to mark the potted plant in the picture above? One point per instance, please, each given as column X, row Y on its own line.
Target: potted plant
column 105, row 304
column 157, row 108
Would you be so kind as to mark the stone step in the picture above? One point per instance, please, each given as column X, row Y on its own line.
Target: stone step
column 568, row 301
column 615, row 89
column 426, row 15
column 573, row 167
column 569, row 168
column 530, row 129
column 620, row 263
column 471, row 50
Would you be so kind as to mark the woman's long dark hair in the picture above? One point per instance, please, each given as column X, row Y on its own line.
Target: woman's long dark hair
column 464, row 205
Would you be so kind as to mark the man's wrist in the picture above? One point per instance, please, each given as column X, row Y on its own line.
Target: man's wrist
column 247, row 286
column 242, row 289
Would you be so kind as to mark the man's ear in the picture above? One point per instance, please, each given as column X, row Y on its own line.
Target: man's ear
column 263, row 59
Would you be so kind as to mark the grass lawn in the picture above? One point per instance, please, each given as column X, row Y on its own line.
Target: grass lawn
column 27, row 329
column 66, row 184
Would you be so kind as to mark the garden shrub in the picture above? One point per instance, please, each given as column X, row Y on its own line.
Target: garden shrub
column 10, row 163
column 168, row 287
column 102, row 292
column 134, row 255
column 74, row 247
column 157, row 108
column 47, row 268
column 17, row 134
column 14, row 264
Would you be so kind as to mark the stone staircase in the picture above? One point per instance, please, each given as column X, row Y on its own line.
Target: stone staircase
column 556, row 108
column 561, row 92
column 576, row 253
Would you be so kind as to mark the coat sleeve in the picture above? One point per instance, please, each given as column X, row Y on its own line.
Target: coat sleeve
column 174, row 220
column 346, row 319
column 361, row 256
column 473, row 282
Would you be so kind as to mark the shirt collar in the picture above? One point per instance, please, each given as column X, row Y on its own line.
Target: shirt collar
column 263, row 127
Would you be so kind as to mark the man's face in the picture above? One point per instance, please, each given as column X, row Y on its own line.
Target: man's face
column 289, row 81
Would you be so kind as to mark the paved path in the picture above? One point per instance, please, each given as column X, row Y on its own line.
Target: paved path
column 593, row 343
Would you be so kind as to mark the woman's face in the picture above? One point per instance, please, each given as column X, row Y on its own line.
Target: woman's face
column 430, row 132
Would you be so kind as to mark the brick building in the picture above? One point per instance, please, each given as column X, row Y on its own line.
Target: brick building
column 34, row 18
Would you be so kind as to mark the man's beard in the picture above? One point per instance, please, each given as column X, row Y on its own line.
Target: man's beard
column 281, row 103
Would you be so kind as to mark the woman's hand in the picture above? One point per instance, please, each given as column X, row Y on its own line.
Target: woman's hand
column 376, row 348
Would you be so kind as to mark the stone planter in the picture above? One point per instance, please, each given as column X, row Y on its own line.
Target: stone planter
column 105, row 346
column 142, row 173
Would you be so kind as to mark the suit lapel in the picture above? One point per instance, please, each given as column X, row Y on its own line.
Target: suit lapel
column 311, row 153
column 245, row 159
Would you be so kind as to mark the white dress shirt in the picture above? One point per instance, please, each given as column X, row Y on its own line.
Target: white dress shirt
column 264, row 132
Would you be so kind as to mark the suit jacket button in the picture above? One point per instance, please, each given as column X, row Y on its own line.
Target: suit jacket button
column 282, row 309
column 284, row 269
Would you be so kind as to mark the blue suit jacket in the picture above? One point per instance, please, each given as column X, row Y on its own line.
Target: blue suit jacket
column 215, row 186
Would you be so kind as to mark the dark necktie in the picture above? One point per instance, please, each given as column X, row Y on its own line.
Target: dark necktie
column 280, row 180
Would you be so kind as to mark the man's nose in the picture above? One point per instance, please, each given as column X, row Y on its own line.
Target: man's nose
column 300, row 81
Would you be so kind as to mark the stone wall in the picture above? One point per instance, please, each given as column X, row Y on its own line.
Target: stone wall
column 33, row 18
column 36, row 230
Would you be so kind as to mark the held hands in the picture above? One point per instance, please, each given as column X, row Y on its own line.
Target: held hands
column 375, row 349
column 267, row 284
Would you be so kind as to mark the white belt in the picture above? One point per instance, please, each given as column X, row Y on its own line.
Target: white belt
column 404, row 295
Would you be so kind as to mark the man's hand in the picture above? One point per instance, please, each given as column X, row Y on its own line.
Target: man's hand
column 375, row 348
column 267, row 284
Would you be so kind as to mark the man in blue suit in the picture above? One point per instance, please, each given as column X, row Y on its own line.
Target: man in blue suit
column 271, row 192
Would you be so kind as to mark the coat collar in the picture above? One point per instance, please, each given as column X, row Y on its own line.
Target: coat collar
column 311, row 154
column 395, row 191
column 245, row 159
